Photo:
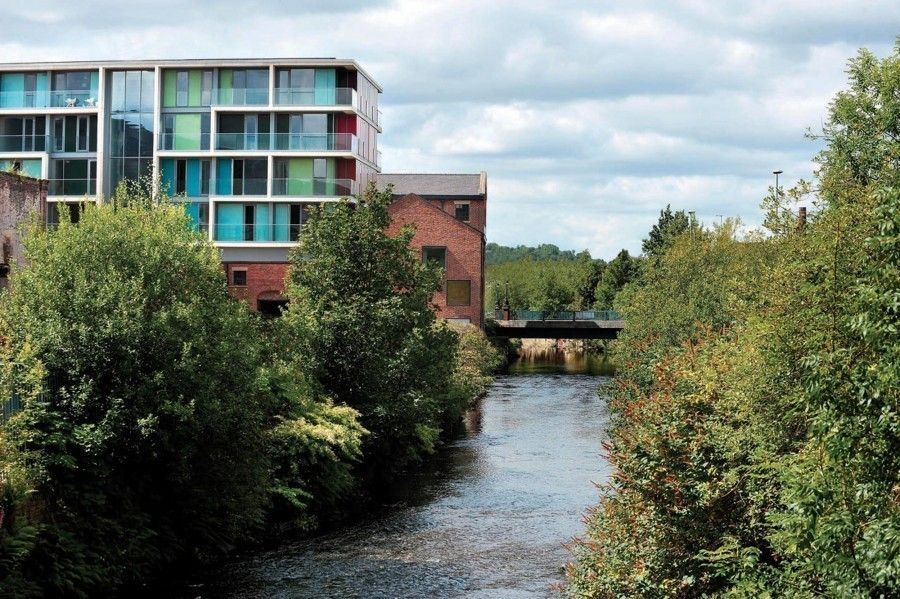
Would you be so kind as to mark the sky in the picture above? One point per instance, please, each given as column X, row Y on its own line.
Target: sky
column 589, row 117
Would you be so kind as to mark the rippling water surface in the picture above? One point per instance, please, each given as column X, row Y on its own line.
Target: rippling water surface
column 488, row 519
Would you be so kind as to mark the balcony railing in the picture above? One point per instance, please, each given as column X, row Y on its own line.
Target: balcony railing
column 23, row 143
column 179, row 141
column 251, row 96
column 71, row 187
column 315, row 187
column 263, row 233
column 307, row 96
column 300, row 142
column 247, row 186
column 59, row 98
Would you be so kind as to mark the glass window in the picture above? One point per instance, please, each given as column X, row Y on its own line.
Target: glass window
column 462, row 211
column 206, row 90
column 239, row 278
column 180, row 176
column 435, row 255
column 205, row 170
column 459, row 293
column 118, row 91
column 315, row 123
column 132, row 91
column 59, row 133
column 303, row 78
column 181, row 88
column 82, row 133
column 320, row 168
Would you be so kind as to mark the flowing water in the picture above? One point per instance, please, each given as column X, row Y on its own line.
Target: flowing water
column 488, row 519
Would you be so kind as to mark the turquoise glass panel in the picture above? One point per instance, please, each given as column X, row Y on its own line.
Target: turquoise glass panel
column 230, row 222
column 32, row 168
column 193, row 211
column 42, row 97
column 223, row 176
column 262, row 231
column 192, row 185
column 282, row 222
column 325, row 80
column 167, row 176
column 12, row 90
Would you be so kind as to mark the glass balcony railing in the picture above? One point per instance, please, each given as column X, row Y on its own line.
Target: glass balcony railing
column 315, row 187
column 263, row 233
column 52, row 99
column 23, row 143
column 177, row 141
column 307, row 96
column 300, row 142
column 73, row 99
column 248, row 186
column 241, row 97
column 71, row 187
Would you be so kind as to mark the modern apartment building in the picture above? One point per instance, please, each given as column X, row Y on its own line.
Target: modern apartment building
column 248, row 144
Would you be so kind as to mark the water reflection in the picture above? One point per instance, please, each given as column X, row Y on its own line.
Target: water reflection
column 548, row 361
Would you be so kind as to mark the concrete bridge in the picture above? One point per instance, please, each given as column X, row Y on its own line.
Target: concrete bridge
column 585, row 324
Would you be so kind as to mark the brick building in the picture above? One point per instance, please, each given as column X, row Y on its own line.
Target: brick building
column 20, row 196
column 449, row 212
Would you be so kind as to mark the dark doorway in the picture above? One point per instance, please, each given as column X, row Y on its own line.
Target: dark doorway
column 271, row 308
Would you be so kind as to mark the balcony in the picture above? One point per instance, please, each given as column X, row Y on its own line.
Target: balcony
column 314, row 187
column 71, row 187
column 307, row 96
column 184, row 142
column 248, row 186
column 23, row 143
column 295, row 142
column 49, row 99
column 266, row 233
column 241, row 97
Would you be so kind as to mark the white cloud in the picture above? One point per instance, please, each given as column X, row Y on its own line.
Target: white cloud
column 588, row 117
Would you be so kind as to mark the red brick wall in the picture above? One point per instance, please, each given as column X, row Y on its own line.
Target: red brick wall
column 263, row 279
column 465, row 251
column 465, row 256
column 477, row 211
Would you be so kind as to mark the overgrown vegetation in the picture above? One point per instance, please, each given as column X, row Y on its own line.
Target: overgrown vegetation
column 756, row 437
column 162, row 421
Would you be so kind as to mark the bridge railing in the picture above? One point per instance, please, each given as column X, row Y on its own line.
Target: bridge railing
column 571, row 315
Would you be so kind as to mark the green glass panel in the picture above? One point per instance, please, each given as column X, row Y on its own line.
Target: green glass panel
column 187, row 132
column 95, row 83
column 12, row 90
column 195, row 84
column 226, row 86
column 169, row 88
column 300, row 172
column 230, row 222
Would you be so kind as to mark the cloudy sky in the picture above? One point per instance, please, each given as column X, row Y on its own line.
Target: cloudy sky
column 588, row 116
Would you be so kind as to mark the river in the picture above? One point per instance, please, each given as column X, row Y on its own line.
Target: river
column 489, row 518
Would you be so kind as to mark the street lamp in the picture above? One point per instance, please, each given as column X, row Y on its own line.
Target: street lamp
column 777, row 192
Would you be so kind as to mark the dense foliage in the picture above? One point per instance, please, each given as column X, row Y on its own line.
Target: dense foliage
column 361, row 323
column 498, row 254
column 757, row 431
column 162, row 421
column 140, row 437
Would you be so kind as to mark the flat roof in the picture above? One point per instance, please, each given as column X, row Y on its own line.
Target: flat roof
column 435, row 184
column 68, row 65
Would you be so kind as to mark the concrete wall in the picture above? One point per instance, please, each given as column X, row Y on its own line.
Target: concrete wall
column 19, row 197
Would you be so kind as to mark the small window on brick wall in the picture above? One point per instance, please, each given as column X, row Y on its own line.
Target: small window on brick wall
column 435, row 255
column 462, row 211
column 459, row 293
column 239, row 278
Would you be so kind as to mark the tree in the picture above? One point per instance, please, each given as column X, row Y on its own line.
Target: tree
column 140, row 441
column 361, row 323
column 620, row 271
column 661, row 237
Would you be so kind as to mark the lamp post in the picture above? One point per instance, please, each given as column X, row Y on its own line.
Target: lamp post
column 693, row 218
column 777, row 189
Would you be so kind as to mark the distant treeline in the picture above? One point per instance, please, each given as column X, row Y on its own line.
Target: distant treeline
column 499, row 254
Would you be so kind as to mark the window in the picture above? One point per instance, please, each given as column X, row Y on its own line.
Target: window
column 435, row 255
column 459, row 293
column 239, row 278
column 180, row 176
column 204, row 177
column 59, row 133
column 462, row 211
column 249, row 221
column 181, row 88
column 82, row 134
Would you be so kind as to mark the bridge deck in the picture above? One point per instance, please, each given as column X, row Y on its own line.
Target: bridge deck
column 559, row 329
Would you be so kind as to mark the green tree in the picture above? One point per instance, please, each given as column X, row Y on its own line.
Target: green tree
column 620, row 271
column 361, row 324
column 661, row 237
column 140, row 438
